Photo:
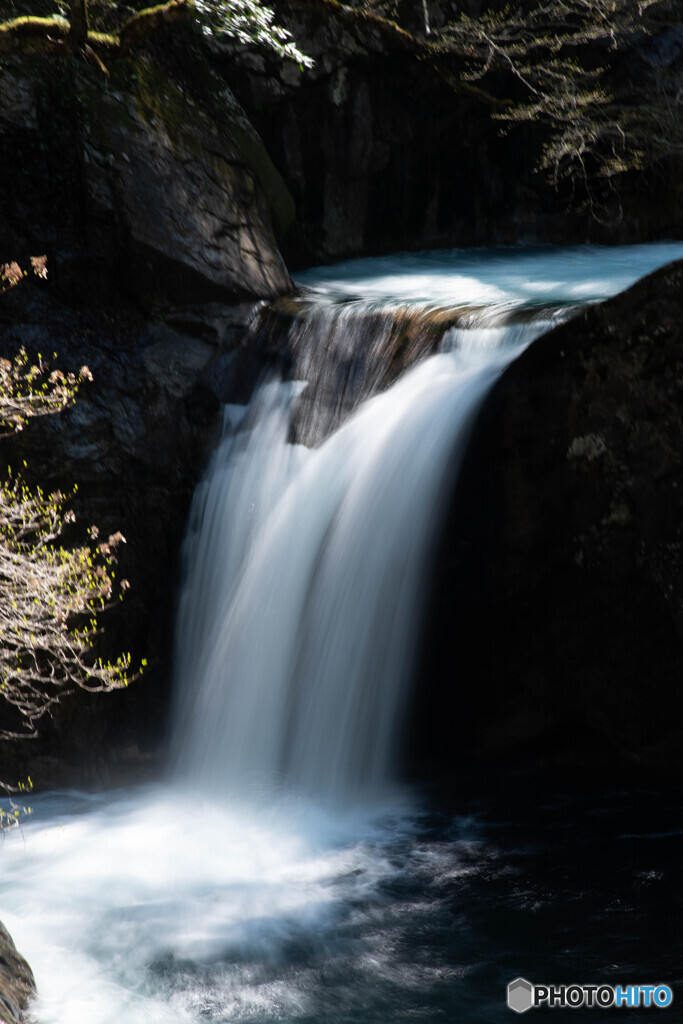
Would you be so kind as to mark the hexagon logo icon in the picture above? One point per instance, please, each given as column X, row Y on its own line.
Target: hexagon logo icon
column 520, row 995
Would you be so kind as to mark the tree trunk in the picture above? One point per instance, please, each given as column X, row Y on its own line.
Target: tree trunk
column 79, row 23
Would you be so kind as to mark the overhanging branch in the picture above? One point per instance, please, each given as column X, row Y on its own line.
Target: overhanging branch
column 29, row 36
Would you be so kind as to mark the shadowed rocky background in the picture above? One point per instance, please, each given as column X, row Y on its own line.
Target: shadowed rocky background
column 163, row 197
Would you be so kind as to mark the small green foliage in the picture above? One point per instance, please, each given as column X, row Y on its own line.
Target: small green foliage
column 27, row 390
column 32, row 25
column 51, row 596
column 15, row 815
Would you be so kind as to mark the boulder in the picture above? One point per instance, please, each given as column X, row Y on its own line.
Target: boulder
column 17, row 985
column 137, row 185
column 557, row 622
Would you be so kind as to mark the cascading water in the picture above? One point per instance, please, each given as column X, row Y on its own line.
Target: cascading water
column 295, row 663
column 234, row 892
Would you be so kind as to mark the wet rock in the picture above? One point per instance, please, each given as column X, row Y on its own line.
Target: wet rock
column 173, row 360
column 221, row 324
column 346, row 356
column 17, row 985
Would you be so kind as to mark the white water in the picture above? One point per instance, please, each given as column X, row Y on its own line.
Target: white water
column 500, row 277
column 227, row 898
column 307, row 569
column 159, row 907
column 296, row 656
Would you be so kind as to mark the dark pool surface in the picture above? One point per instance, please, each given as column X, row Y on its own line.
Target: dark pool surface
column 559, row 888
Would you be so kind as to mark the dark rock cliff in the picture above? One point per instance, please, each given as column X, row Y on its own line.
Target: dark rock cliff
column 384, row 150
column 557, row 628
column 148, row 191
column 136, row 186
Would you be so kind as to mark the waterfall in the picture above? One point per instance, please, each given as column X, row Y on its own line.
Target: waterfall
column 307, row 572
column 243, row 896
column 307, row 568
